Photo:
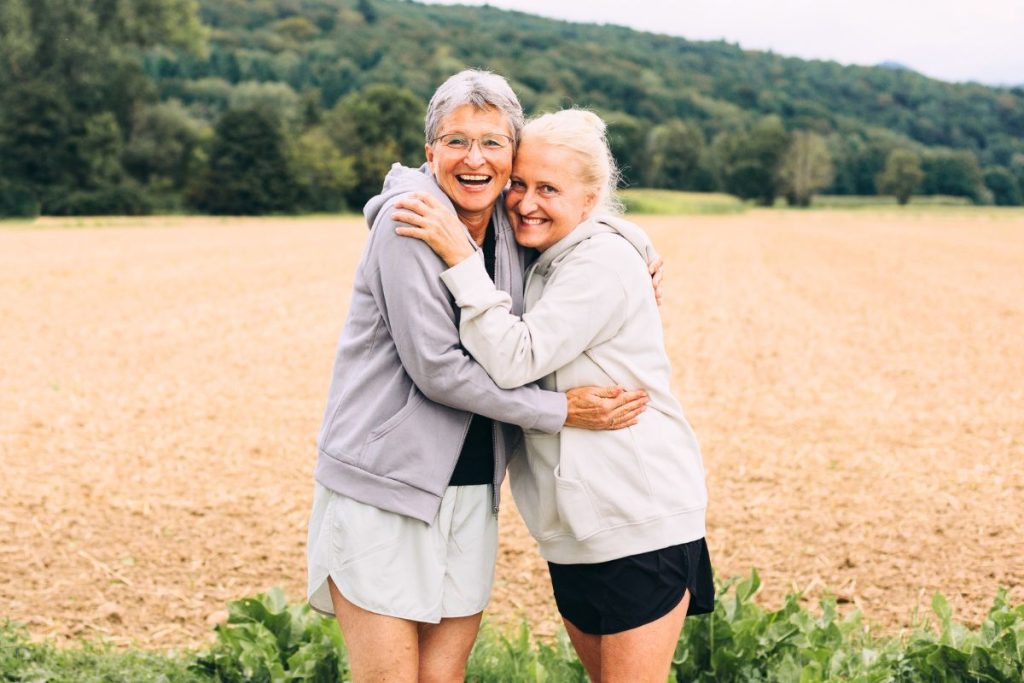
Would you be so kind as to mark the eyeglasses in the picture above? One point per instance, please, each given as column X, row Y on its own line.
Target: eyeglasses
column 491, row 142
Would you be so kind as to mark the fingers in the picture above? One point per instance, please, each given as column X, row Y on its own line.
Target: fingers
column 409, row 218
column 608, row 392
column 409, row 231
column 631, row 397
column 593, row 394
column 416, row 203
column 657, row 270
column 631, row 415
column 654, row 268
column 625, row 417
column 428, row 199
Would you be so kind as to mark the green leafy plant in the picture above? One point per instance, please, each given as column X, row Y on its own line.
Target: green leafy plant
column 742, row 641
column 266, row 640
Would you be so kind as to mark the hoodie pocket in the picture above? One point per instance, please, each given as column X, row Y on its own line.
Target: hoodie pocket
column 390, row 424
column 417, row 446
column 609, row 467
column 575, row 507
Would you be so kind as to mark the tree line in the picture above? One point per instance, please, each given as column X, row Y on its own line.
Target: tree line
column 257, row 106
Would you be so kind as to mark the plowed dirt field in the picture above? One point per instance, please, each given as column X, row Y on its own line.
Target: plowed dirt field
column 856, row 379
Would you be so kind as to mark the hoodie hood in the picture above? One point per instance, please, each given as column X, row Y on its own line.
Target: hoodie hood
column 401, row 180
column 596, row 225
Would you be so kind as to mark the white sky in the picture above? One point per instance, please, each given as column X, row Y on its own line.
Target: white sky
column 955, row 40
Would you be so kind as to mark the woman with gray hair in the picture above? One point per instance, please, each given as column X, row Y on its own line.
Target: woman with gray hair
column 415, row 438
column 619, row 516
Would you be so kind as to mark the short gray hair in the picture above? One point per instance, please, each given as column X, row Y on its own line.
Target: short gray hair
column 483, row 90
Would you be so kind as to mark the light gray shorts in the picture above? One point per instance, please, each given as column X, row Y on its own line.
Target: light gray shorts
column 399, row 566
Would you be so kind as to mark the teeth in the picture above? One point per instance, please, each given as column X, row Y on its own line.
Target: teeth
column 474, row 177
column 532, row 221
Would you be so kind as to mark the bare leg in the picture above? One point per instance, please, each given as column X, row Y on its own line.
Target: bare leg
column 444, row 648
column 380, row 648
column 643, row 654
column 588, row 647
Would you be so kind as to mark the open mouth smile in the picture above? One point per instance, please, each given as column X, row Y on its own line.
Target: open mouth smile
column 473, row 180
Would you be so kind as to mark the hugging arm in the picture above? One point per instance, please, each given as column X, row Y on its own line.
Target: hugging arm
column 418, row 312
column 583, row 304
column 422, row 216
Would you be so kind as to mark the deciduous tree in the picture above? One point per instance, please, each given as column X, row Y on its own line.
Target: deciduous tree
column 248, row 171
column 674, row 150
column 902, row 175
column 376, row 127
column 1003, row 186
column 747, row 163
column 805, row 168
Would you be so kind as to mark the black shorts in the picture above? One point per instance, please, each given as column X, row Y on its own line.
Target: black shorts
column 614, row 596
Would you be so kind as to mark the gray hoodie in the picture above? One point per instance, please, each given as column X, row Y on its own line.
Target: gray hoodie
column 403, row 388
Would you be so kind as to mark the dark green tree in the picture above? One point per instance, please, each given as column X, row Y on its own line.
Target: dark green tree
column 1003, row 186
column 1017, row 169
column 71, row 81
column 902, row 175
column 747, row 163
column 955, row 173
column 377, row 126
column 249, row 171
column 627, row 138
column 674, row 151
column 325, row 177
column 165, row 151
column 368, row 11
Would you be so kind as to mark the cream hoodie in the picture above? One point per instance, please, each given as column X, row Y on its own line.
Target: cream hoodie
column 590, row 319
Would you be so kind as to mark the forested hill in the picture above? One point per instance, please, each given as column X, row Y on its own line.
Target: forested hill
column 341, row 45
column 250, row 106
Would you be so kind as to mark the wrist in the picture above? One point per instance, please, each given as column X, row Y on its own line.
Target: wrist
column 458, row 255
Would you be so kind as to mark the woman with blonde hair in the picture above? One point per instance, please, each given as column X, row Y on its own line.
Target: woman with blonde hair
column 618, row 515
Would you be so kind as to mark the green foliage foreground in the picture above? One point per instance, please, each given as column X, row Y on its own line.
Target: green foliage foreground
column 266, row 639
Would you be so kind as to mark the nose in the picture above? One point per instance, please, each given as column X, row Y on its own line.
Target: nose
column 528, row 203
column 475, row 155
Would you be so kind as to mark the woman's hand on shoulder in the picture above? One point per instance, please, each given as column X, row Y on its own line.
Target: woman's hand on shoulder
column 427, row 219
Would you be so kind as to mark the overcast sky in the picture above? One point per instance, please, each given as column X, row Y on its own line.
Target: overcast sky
column 955, row 40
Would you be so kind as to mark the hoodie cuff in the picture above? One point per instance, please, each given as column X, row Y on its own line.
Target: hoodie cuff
column 467, row 277
column 554, row 409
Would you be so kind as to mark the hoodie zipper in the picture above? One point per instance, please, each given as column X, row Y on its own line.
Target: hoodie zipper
column 502, row 264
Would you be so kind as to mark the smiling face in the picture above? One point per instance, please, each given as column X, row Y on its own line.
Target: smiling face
column 472, row 178
column 546, row 199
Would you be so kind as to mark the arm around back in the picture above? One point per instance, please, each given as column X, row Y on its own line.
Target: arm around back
column 583, row 303
column 419, row 316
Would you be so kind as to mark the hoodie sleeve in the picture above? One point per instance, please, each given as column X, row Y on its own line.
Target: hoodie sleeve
column 420, row 316
column 583, row 304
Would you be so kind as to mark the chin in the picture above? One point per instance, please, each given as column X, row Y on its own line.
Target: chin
column 527, row 240
column 475, row 202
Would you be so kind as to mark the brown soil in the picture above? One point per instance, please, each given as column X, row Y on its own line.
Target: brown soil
column 856, row 380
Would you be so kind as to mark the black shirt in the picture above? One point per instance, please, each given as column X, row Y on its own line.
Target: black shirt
column 476, row 461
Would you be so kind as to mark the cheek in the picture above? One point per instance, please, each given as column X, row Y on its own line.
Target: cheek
column 512, row 199
column 503, row 169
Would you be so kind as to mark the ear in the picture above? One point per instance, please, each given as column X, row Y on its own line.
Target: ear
column 589, row 205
